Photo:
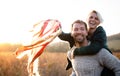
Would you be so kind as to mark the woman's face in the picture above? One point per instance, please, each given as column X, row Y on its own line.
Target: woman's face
column 93, row 20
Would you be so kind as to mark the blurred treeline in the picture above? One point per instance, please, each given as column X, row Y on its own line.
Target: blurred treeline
column 63, row 46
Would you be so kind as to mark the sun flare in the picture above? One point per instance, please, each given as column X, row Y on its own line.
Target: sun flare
column 14, row 37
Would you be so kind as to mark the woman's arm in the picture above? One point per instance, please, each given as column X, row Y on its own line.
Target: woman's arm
column 67, row 37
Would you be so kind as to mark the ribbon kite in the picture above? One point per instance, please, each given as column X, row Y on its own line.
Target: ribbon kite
column 43, row 33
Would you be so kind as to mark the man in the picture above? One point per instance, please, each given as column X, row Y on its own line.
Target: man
column 96, row 34
column 90, row 65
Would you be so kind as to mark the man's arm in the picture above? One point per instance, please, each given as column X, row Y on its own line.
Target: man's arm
column 98, row 41
column 109, row 61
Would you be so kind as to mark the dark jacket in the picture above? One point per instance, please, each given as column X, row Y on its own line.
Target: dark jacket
column 67, row 37
column 98, row 41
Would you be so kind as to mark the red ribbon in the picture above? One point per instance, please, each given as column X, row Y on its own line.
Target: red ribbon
column 43, row 39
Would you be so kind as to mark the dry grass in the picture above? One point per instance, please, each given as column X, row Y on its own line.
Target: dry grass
column 117, row 54
column 50, row 64
column 53, row 64
column 10, row 66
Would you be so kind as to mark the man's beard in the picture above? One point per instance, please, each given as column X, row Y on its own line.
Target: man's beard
column 79, row 40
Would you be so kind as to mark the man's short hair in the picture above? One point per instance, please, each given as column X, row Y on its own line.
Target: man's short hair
column 81, row 22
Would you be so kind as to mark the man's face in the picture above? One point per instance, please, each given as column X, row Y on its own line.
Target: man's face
column 79, row 32
column 93, row 21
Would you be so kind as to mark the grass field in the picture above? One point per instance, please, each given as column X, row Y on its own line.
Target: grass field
column 50, row 64
column 114, row 44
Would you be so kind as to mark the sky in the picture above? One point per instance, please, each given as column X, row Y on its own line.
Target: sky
column 18, row 16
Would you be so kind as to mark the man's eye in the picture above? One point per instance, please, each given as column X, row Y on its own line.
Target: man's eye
column 75, row 29
column 96, row 18
column 82, row 29
column 91, row 17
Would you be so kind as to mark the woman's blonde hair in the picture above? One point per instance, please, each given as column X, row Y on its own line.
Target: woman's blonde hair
column 98, row 14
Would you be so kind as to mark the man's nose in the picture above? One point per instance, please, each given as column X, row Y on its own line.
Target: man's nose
column 79, row 31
